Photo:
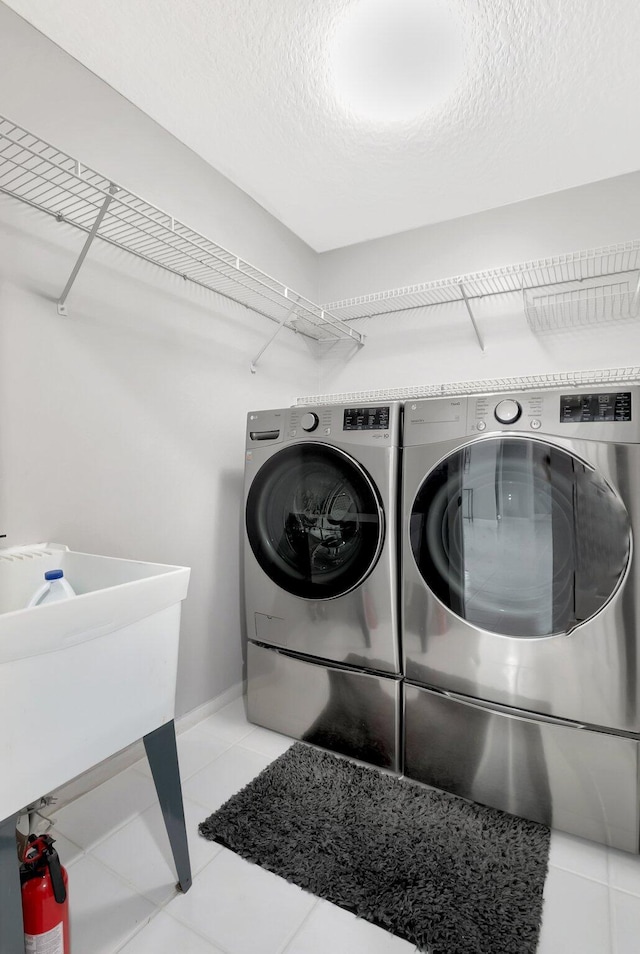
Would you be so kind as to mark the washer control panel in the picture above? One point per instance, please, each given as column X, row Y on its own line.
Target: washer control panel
column 373, row 425
column 365, row 418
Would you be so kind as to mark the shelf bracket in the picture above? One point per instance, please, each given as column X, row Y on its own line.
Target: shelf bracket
column 473, row 320
column 281, row 324
column 635, row 300
column 62, row 308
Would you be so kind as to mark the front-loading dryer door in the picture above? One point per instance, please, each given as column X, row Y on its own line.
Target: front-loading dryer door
column 521, row 546
column 314, row 521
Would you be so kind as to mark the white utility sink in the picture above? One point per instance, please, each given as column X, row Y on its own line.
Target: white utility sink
column 82, row 678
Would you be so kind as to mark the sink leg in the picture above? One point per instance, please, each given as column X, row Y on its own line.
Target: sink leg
column 11, row 926
column 160, row 746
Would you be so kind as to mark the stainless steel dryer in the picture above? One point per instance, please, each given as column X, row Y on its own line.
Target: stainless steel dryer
column 320, row 576
column 520, row 604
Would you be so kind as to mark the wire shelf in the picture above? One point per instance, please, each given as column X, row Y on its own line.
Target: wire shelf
column 48, row 179
column 591, row 265
column 587, row 302
column 34, row 172
column 533, row 382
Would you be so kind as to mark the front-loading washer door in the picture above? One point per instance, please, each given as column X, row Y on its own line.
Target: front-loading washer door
column 519, row 537
column 314, row 521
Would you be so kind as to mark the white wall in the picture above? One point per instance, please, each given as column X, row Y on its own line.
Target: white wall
column 602, row 213
column 49, row 93
column 122, row 426
column 438, row 344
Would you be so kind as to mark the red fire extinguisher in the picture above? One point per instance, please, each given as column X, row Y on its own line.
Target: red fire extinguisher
column 45, row 902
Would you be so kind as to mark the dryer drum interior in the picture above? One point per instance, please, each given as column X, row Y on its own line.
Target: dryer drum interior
column 519, row 537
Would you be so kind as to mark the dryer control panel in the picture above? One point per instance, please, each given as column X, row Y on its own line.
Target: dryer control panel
column 601, row 406
column 605, row 414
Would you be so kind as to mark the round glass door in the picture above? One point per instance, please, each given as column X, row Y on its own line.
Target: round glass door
column 314, row 521
column 519, row 537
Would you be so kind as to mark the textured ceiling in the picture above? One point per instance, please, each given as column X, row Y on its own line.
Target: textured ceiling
column 542, row 95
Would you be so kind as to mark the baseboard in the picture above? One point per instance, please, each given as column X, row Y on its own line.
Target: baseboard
column 191, row 718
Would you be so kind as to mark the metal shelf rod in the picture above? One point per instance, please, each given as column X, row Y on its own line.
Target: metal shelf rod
column 254, row 364
column 62, row 308
column 471, row 316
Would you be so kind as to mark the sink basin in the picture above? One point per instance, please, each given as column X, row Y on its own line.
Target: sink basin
column 82, row 678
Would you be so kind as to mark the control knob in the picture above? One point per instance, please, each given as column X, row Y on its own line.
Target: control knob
column 507, row 412
column 309, row 421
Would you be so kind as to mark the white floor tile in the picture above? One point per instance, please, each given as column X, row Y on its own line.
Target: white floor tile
column 141, row 855
column 329, row 928
column 164, row 935
column 624, row 872
column 122, row 878
column 580, row 856
column 104, row 912
column 575, row 915
column 108, row 807
column 242, row 907
column 196, row 748
column 625, row 913
column 221, row 779
column 266, row 742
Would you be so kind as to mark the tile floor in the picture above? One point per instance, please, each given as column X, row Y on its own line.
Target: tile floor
column 122, row 881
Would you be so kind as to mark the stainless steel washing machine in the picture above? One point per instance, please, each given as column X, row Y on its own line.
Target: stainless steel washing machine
column 520, row 604
column 321, row 578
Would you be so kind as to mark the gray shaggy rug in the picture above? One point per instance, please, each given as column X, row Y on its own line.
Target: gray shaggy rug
column 450, row 876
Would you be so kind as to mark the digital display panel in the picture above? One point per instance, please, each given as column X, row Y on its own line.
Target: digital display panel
column 366, row 418
column 582, row 408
